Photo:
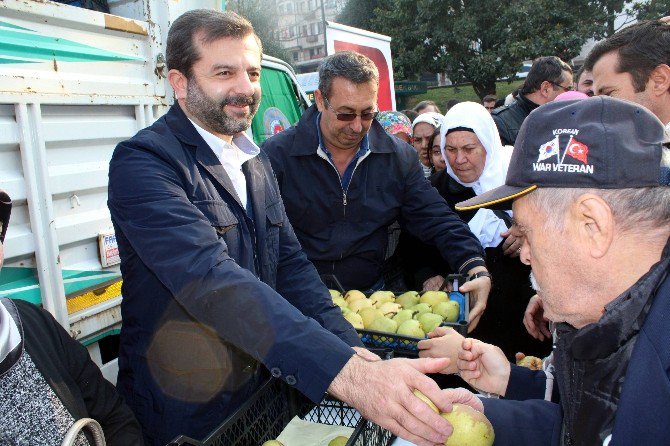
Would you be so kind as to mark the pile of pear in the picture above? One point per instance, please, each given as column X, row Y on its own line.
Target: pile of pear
column 408, row 314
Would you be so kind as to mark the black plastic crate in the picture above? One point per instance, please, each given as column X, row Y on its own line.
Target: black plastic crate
column 265, row 415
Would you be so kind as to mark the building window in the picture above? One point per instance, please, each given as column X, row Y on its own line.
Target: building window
column 296, row 56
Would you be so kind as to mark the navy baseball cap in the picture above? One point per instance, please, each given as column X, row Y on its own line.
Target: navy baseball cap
column 595, row 143
column 5, row 211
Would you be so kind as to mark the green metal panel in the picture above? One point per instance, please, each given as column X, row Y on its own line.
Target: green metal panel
column 279, row 108
column 22, row 283
column 16, row 43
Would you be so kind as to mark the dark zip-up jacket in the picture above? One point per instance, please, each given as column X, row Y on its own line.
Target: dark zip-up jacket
column 209, row 292
column 345, row 232
column 613, row 377
column 509, row 118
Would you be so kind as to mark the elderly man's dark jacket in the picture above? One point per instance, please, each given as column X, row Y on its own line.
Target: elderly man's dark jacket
column 345, row 232
column 210, row 290
column 509, row 118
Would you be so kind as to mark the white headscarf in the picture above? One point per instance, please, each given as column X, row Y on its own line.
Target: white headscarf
column 485, row 224
column 431, row 118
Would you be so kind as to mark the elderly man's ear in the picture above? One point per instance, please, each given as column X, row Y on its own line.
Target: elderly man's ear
column 595, row 224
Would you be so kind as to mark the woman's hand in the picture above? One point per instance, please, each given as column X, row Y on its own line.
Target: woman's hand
column 513, row 241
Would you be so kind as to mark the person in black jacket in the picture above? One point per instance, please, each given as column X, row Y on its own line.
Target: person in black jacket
column 47, row 379
column 548, row 77
column 476, row 163
column 344, row 180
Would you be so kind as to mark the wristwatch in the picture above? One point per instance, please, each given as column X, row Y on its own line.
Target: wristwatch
column 481, row 274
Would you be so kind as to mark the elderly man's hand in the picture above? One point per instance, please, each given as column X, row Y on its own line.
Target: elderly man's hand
column 444, row 342
column 484, row 366
column 533, row 318
column 382, row 391
column 512, row 243
column 479, row 290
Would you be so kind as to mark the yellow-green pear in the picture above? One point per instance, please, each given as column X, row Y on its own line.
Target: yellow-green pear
column 345, row 311
column 384, row 324
column 408, row 299
column 426, row 400
column 353, row 295
column 471, row 427
column 389, row 308
column 357, row 305
column 402, row 316
column 429, row 321
column 369, row 314
column 338, row 441
column 433, row 298
column 355, row 320
column 411, row 328
column 273, row 443
column 334, row 293
column 448, row 310
column 380, row 297
column 420, row 309
column 339, row 301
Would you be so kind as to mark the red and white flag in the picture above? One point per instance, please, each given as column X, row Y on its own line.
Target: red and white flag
column 578, row 150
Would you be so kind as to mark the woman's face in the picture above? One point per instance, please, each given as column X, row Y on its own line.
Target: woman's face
column 436, row 155
column 465, row 154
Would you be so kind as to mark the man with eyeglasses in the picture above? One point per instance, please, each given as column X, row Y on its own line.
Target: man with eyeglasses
column 548, row 77
column 344, row 181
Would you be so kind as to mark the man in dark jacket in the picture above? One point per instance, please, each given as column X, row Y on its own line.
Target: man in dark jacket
column 548, row 77
column 344, row 181
column 586, row 174
column 47, row 379
column 217, row 290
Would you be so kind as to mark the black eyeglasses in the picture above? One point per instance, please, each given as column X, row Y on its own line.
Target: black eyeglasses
column 565, row 89
column 348, row 117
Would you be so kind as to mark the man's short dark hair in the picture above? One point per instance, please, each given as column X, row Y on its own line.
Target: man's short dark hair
column 489, row 98
column 548, row 68
column 411, row 114
column 350, row 65
column 424, row 104
column 641, row 48
column 182, row 52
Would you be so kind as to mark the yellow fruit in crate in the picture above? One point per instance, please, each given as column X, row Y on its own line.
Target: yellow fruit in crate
column 448, row 310
column 369, row 314
column 384, row 324
column 471, row 427
column 412, row 328
column 338, row 441
column 402, row 316
column 425, row 399
column 380, row 297
column 433, row 298
column 273, row 443
column 389, row 308
column 334, row 293
column 420, row 309
column 353, row 295
column 408, row 299
column 355, row 320
column 429, row 321
column 345, row 311
column 339, row 301
column 359, row 304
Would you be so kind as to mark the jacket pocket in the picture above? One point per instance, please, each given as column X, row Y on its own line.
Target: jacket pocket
column 219, row 215
column 275, row 221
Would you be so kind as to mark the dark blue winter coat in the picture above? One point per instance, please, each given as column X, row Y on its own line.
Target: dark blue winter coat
column 209, row 292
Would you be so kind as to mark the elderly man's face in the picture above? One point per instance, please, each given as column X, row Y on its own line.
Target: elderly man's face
column 557, row 263
column 346, row 97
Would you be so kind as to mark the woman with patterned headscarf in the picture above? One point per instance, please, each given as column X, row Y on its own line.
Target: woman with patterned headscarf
column 396, row 124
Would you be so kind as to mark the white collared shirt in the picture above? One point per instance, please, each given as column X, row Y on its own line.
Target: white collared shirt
column 232, row 156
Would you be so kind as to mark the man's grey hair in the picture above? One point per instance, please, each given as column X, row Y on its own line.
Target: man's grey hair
column 352, row 66
column 640, row 210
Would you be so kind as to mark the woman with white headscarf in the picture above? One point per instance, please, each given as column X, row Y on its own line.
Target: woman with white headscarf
column 477, row 162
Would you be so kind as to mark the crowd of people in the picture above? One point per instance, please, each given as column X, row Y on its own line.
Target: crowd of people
column 556, row 207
